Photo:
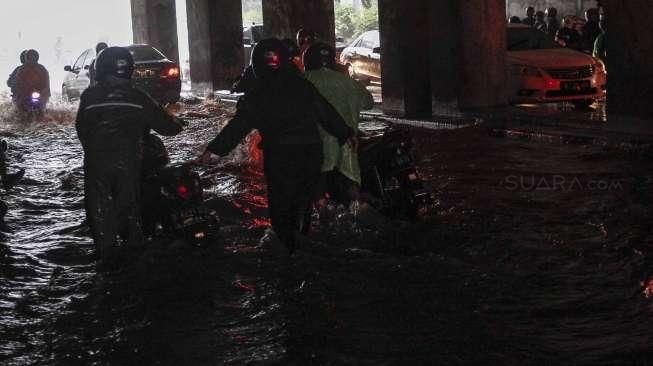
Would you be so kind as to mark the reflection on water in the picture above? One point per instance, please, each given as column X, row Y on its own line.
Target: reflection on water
column 498, row 277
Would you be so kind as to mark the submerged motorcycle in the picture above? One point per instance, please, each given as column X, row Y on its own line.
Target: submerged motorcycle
column 390, row 180
column 173, row 202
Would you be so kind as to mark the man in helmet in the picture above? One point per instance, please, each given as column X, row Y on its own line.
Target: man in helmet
column 91, row 71
column 305, row 38
column 32, row 77
column 552, row 24
column 112, row 122
column 540, row 23
column 341, row 170
column 286, row 109
column 591, row 29
column 599, row 44
column 11, row 82
column 530, row 17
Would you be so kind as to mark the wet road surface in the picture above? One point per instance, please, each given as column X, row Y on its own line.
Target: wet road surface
column 537, row 253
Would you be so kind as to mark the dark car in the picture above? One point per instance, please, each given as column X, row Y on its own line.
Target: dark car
column 154, row 73
column 362, row 58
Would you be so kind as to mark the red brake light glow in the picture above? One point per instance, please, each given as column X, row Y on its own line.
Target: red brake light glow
column 183, row 192
column 172, row 72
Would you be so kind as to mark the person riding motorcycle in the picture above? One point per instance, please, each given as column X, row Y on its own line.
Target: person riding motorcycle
column 11, row 82
column 32, row 77
column 247, row 79
column 286, row 109
column 341, row 168
column 113, row 119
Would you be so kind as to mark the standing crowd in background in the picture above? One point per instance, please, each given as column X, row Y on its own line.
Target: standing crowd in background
column 585, row 35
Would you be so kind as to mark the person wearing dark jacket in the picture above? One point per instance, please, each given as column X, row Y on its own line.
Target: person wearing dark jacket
column 91, row 70
column 11, row 82
column 112, row 121
column 31, row 77
column 286, row 109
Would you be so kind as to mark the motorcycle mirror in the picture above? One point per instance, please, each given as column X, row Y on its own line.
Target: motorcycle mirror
column 68, row 68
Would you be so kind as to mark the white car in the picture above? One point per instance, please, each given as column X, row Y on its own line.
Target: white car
column 541, row 71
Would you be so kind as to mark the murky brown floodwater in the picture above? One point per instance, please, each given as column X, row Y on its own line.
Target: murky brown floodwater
column 538, row 254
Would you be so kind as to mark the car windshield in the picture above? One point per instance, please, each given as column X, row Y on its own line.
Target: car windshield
column 146, row 53
column 523, row 39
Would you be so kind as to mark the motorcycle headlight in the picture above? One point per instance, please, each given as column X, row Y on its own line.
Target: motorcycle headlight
column 526, row 70
column 36, row 95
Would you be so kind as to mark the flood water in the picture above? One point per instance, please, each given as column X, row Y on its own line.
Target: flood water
column 535, row 254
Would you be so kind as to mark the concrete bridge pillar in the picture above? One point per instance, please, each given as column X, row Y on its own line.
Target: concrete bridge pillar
column 215, row 38
column 155, row 22
column 630, row 53
column 283, row 18
column 405, row 61
column 442, row 51
column 482, row 54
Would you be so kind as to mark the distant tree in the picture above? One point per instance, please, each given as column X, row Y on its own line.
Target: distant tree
column 346, row 18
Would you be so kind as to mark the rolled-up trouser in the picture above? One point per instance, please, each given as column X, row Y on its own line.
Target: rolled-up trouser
column 112, row 197
column 292, row 173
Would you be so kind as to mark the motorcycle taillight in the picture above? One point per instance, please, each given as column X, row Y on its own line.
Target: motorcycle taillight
column 184, row 192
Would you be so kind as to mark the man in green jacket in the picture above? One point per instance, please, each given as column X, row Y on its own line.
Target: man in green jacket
column 341, row 168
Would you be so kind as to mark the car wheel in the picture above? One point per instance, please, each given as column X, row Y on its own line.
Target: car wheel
column 583, row 104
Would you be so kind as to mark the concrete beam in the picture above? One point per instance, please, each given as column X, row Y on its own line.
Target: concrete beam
column 215, row 38
column 444, row 43
column 482, row 54
column 283, row 18
column 630, row 53
column 405, row 61
column 155, row 22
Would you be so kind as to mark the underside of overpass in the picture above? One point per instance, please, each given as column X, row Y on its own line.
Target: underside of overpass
column 434, row 52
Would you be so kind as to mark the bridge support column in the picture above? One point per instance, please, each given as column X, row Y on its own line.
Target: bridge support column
column 155, row 22
column 630, row 53
column 441, row 52
column 215, row 38
column 283, row 18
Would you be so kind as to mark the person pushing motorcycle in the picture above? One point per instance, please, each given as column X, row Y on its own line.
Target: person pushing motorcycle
column 113, row 119
column 286, row 109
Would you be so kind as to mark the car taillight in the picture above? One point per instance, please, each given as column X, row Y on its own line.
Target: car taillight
column 183, row 192
column 171, row 72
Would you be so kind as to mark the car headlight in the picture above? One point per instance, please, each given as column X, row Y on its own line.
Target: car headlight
column 36, row 95
column 525, row 70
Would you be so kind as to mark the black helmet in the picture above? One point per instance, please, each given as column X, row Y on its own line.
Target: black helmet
column 305, row 37
column 268, row 57
column 551, row 12
column 31, row 56
column 22, row 57
column 100, row 46
column 291, row 48
column 114, row 61
column 320, row 55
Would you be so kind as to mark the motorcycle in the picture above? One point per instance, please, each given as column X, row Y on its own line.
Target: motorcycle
column 31, row 106
column 390, row 180
column 173, row 203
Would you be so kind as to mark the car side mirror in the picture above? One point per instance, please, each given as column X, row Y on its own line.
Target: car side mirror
column 376, row 50
column 68, row 68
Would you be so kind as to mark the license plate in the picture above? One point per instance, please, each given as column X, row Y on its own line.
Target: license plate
column 575, row 85
column 190, row 216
